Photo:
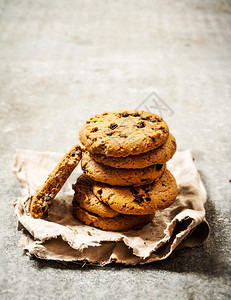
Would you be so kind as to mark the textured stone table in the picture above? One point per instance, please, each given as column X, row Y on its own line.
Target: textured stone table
column 63, row 61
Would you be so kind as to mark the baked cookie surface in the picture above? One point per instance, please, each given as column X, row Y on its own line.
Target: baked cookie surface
column 119, row 223
column 139, row 200
column 159, row 155
column 123, row 132
column 122, row 177
column 86, row 199
column 43, row 198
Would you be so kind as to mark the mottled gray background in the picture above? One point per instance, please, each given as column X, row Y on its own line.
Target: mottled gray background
column 63, row 61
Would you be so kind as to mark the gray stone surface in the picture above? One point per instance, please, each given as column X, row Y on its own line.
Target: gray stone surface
column 63, row 61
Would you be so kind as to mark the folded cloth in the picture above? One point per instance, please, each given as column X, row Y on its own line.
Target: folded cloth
column 59, row 236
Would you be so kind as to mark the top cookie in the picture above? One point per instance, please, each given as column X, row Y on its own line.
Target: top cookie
column 123, row 132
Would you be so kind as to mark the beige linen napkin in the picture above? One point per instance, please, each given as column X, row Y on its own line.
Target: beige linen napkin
column 59, row 236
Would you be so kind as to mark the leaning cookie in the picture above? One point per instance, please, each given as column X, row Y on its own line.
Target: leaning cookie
column 85, row 198
column 139, row 200
column 119, row 223
column 122, row 177
column 124, row 132
column 43, row 198
column 159, row 155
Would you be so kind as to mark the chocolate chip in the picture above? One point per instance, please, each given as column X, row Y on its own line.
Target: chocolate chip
column 122, row 135
column 99, row 192
column 94, row 129
column 73, row 154
column 109, row 133
column 44, row 208
column 136, row 114
column 163, row 184
column 148, row 199
column 134, row 191
column 140, row 124
column 113, row 126
column 144, row 179
column 139, row 198
column 158, row 167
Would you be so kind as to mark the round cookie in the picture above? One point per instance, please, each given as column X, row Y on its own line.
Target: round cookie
column 122, row 177
column 159, row 155
column 43, row 198
column 139, row 200
column 119, row 223
column 122, row 133
column 87, row 200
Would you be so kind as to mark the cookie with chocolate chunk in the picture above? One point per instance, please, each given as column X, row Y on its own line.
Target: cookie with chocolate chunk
column 43, row 198
column 122, row 133
column 122, row 177
column 139, row 200
column 118, row 223
column 159, row 155
column 85, row 198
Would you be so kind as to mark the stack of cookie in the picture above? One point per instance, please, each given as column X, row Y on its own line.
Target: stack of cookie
column 125, row 177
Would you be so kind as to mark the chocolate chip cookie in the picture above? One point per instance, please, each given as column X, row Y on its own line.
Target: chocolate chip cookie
column 43, row 198
column 118, row 223
column 85, row 198
column 122, row 177
column 124, row 132
column 139, row 200
column 159, row 155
